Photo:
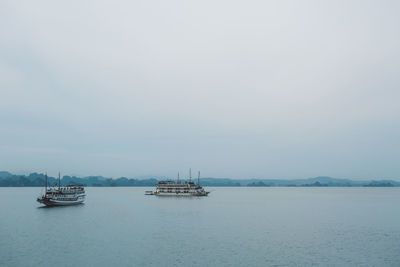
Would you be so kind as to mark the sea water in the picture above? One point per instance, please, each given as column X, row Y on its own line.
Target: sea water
column 269, row 226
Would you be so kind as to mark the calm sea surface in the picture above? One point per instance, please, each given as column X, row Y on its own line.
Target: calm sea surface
column 230, row 227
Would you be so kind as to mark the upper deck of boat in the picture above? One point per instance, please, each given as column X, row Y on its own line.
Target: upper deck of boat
column 176, row 184
column 75, row 188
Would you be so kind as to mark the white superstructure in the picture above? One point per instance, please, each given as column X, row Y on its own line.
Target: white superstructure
column 63, row 196
column 171, row 188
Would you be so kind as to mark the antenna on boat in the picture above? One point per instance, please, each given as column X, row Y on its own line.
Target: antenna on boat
column 198, row 179
column 190, row 174
column 178, row 177
column 59, row 181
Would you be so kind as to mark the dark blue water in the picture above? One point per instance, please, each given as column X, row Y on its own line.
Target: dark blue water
column 230, row 227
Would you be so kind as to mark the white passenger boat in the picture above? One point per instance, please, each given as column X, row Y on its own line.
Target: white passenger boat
column 178, row 188
column 72, row 194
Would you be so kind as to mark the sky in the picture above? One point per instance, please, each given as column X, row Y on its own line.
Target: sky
column 239, row 89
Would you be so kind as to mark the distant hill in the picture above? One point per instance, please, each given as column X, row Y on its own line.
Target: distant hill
column 38, row 179
column 5, row 174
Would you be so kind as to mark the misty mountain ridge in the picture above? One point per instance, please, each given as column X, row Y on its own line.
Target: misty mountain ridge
column 38, row 179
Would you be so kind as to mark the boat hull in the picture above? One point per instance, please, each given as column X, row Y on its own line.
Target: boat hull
column 172, row 194
column 51, row 202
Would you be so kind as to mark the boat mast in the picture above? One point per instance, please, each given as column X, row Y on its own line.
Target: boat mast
column 59, row 181
column 178, row 177
column 190, row 174
column 46, row 183
column 198, row 179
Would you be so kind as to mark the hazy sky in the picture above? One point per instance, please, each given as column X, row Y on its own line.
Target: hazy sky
column 266, row 89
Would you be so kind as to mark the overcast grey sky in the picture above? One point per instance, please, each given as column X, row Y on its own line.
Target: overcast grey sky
column 267, row 89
